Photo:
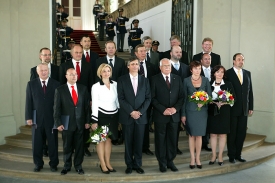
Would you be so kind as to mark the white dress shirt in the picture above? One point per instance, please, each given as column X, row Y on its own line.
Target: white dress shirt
column 108, row 59
column 241, row 72
column 145, row 68
column 46, row 81
column 70, row 88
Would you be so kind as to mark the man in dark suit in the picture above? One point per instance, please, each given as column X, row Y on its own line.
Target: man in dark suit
column 72, row 100
column 175, row 41
column 118, row 64
column 180, row 69
column 167, row 99
column 151, row 56
column 85, row 77
column 134, row 98
column 243, row 106
column 206, row 72
column 147, row 70
column 207, row 45
column 45, row 57
column 88, row 55
column 121, row 29
column 39, row 114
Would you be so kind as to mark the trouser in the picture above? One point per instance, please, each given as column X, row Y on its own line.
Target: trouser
column 120, row 41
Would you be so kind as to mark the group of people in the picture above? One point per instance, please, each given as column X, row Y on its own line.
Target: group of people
column 87, row 92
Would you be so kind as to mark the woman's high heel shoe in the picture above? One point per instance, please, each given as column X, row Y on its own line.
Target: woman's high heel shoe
column 199, row 166
column 113, row 170
column 192, row 166
column 220, row 163
column 212, row 162
column 106, row 172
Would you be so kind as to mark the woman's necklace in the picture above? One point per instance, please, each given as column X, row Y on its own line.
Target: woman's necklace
column 195, row 79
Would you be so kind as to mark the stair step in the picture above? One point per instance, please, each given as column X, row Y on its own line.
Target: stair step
column 92, row 173
column 23, row 153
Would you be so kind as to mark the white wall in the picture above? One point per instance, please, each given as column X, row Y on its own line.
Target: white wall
column 87, row 15
column 246, row 26
column 155, row 23
column 25, row 30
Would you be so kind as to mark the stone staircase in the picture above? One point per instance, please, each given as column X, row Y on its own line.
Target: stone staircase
column 16, row 161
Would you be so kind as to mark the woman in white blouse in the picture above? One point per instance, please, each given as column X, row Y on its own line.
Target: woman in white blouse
column 105, row 112
column 218, row 114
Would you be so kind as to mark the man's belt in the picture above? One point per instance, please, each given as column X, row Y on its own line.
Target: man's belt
column 122, row 25
column 67, row 37
column 135, row 39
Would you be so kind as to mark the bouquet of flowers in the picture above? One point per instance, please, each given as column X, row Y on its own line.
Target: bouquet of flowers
column 200, row 97
column 225, row 97
column 100, row 134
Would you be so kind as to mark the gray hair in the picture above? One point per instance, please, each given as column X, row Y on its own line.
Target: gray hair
column 145, row 38
column 160, row 62
column 39, row 65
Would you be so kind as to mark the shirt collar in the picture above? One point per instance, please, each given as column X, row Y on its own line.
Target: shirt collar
column 222, row 83
column 101, row 82
column 44, row 80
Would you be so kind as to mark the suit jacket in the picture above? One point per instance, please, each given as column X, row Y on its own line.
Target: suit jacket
column 215, row 58
column 189, row 89
column 86, row 77
column 183, row 71
column 42, row 103
column 128, row 102
column 184, row 58
column 163, row 97
column 54, row 72
column 119, row 67
column 79, row 115
column 154, row 59
column 244, row 93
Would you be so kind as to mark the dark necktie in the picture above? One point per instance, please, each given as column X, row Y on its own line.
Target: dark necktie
column 167, row 82
column 148, row 59
column 87, row 57
column 141, row 69
column 44, row 86
column 77, row 68
column 111, row 63
column 74, row 95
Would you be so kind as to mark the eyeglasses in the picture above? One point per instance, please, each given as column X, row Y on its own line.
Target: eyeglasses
column 46, row 55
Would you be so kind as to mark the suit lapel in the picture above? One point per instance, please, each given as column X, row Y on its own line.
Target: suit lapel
column 129, row 83
column 67, row 94
column 39, row 86
column 163, row 82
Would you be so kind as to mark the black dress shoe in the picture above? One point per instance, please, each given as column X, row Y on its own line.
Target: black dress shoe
column 199, row 166
column 37, row 168
column 232, row 160
column 80, row 171
column 128, row 170
column 192, row 166
column 87, row 152
column 173, row 168
column 179, row 152
column 240, row 159
column 111, row 170
column 148, row 152
column 53, row 168
column 207, row 148
column 220, row 163
column 65, row 171
column 139, row 170
column 162, row 169
column 106, row 172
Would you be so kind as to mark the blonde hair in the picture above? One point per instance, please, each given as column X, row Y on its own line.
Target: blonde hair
column 100, row 69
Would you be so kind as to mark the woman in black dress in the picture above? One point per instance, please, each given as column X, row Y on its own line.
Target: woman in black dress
column 218, row 114
column 105, row 112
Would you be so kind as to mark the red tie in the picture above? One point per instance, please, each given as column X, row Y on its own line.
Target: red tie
column 77, row 70
column 44, row 86
column 87, row 57
column 74, row 96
